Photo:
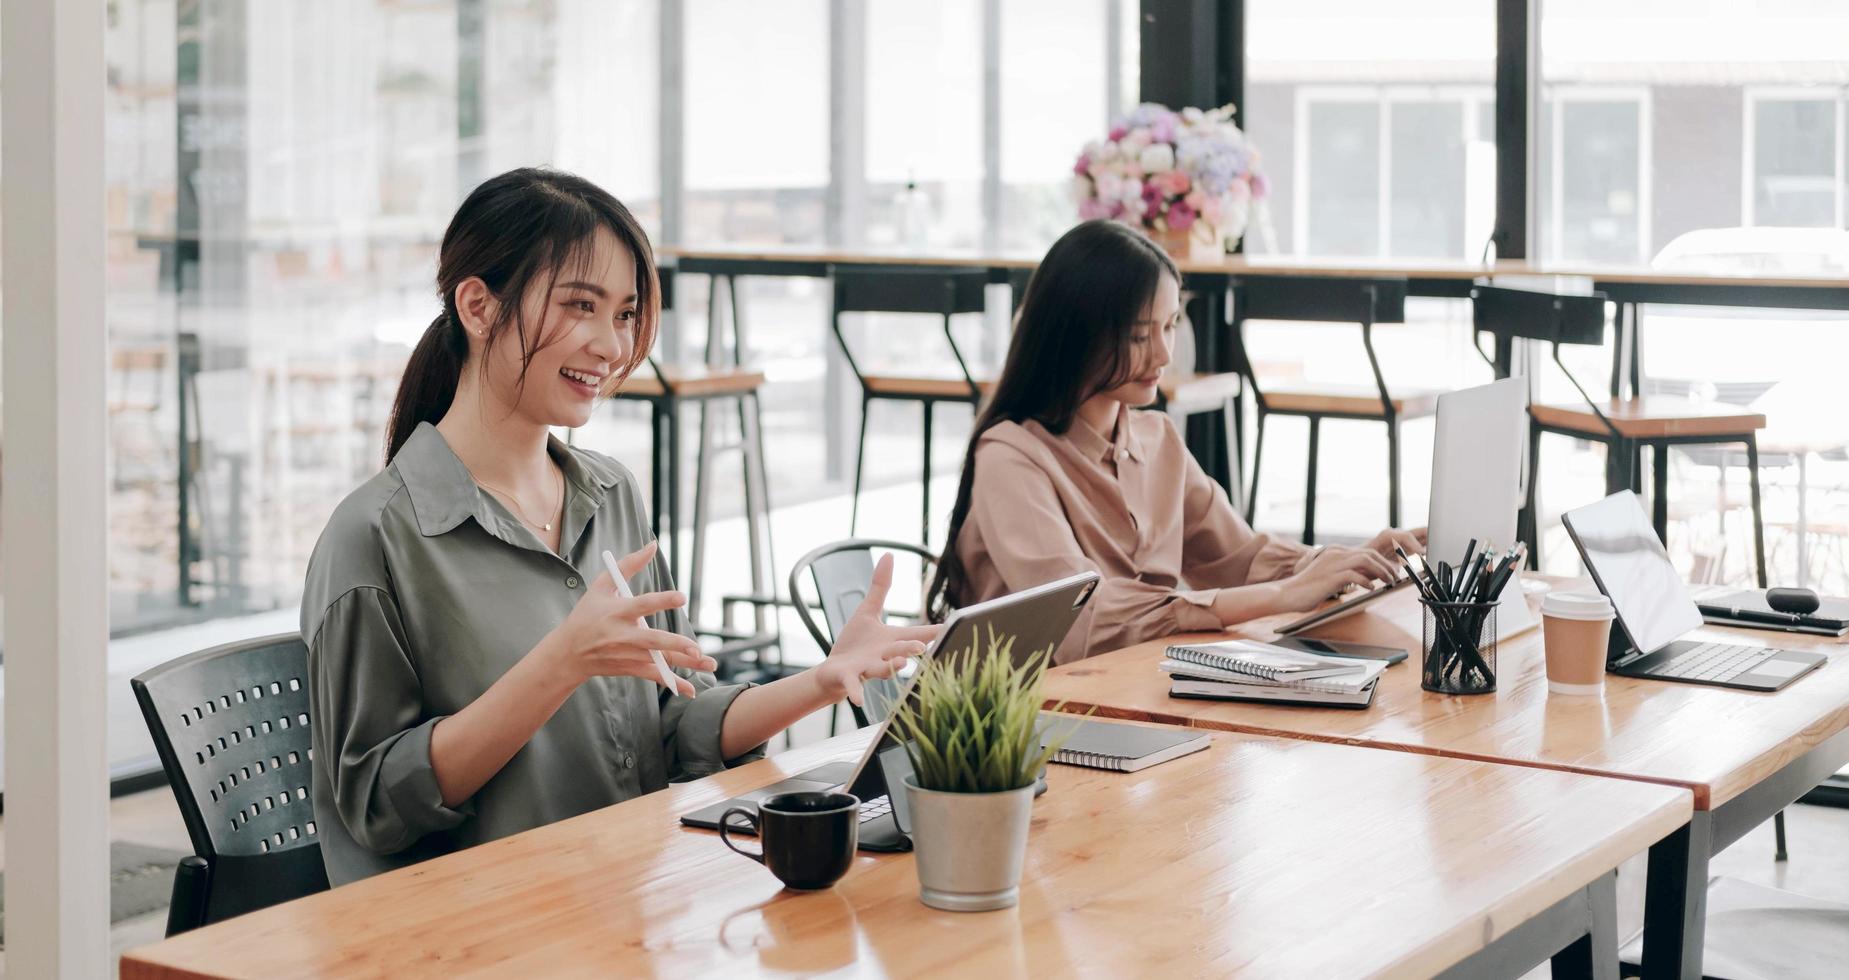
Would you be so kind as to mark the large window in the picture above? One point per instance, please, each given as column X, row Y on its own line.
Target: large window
column 1375, row 126
column 1795, row 164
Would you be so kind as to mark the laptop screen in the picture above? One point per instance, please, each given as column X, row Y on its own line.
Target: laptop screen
column 1629, row 564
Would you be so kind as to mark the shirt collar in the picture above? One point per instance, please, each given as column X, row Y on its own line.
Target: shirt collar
column 1098, row 448
column 444, row 493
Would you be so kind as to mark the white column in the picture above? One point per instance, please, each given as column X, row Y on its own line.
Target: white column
column 51, row 200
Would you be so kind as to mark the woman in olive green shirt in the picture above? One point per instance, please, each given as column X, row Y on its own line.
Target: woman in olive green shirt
column 472, row 670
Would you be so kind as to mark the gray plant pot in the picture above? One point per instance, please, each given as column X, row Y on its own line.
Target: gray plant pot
column 969, row 846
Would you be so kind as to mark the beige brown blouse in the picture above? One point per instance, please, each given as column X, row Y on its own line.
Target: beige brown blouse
column 1136, row 508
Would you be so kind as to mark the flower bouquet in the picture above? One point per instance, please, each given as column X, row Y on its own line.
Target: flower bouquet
column 1187, row 178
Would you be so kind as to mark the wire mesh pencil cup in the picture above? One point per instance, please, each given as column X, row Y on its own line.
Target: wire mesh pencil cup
column 1459, row 647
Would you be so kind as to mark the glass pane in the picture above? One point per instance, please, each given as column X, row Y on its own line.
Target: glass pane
column 1343, row 178
column 927, row 134
column 1728, row 113
column 1794, row 162
column 1354, row 103
column 757, row 120
column 1054, row 99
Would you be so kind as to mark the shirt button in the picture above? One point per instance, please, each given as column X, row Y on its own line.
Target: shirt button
column 1123, row 454
column 629, row 760
column 571, row 582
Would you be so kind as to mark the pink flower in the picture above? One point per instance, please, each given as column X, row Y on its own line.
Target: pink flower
column 1083, row 165
column 1116, row 133
column 1116, row 210
column 1093, row 208
column 1260, row 186
column 1163, row 129
column 1212, row 211
column 1180, row 216
column 1175, row 183
column 1152, row 198
column 1197, row 199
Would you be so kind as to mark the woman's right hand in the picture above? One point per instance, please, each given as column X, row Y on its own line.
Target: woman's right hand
column 1328, row 572
column 605, row 635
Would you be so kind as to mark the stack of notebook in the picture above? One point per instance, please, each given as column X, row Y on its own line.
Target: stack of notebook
column 1245, row 670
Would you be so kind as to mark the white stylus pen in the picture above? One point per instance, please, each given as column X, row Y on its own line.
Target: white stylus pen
column 622, row 589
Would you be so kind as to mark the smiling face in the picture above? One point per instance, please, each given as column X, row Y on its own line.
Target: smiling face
column 585, row 317
column 1151, row 345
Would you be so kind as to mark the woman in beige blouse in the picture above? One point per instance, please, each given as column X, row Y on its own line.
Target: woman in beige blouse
column 472, row 670
column 1065, row 475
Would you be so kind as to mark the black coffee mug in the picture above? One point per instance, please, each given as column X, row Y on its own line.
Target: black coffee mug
column 808, row 838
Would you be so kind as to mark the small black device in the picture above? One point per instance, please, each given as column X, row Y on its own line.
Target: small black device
column 1795, row 601
column 1653, row 609
column 1037, row 618
column 1339, row 648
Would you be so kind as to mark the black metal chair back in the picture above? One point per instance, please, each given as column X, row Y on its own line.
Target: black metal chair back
column 1362, row 300
column 947, row 293
column 841, row 573
column 231, row 726
column 1527, row 314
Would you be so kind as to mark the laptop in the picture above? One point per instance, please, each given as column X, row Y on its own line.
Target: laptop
column 1477, row 488
column 1037, row 618
column 1629, row 565
column 1476, row 494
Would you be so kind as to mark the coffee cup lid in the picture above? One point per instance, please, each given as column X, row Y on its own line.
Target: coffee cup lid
column 1576, row 605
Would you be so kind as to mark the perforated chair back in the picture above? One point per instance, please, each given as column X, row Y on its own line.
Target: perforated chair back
column 1529, row 314
column 841, row 573
column 231, row 726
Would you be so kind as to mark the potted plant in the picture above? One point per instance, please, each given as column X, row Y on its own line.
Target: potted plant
column 1189, row 179
column 972, row 731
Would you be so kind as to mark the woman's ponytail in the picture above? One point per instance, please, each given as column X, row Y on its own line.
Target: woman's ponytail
column 430, row 379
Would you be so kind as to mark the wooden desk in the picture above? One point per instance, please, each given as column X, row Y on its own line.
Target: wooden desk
column 1258, row 856
column 1743, row 755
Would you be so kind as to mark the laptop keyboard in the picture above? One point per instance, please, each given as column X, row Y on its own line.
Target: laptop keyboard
column 875, row 808
column 1712, row 662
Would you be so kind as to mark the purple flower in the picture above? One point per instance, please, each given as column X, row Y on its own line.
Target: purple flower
column 1163, row 130
column 1180, row 216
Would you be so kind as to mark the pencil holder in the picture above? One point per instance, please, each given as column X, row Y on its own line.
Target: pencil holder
column 1460, row 647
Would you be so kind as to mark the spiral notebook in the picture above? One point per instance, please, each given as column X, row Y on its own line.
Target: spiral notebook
column 1121, row 747
column 1264, row 661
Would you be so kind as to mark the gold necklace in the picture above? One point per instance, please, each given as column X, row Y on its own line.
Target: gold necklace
column 519, row 509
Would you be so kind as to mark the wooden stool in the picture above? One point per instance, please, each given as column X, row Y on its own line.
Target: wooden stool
column 943, row 292
column 1364, row 301
column 666, row 388
column 1625, row 426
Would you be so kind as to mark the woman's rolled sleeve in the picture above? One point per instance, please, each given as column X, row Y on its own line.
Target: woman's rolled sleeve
column 691, row 729
column 369, row 725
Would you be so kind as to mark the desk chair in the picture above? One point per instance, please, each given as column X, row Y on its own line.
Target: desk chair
column 1625, row 426
column 231, row 727
column 1363, row 301
column 841, row 573
column 666, row 388
column 943, row 292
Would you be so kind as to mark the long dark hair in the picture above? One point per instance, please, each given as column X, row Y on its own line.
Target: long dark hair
column 1071, row 341
column 511, row 229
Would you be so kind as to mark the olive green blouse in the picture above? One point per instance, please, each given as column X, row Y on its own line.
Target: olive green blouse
column 424, row 590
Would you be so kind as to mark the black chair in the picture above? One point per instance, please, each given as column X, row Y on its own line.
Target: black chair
column 944, row 292
column 1625, row 426
column 231, row 727
column 1363, row 301
column 841, row 573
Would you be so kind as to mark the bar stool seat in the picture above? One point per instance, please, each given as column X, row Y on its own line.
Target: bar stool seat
column 1355, row 400
column 1652, row 418
column 1194, row 388
column 693, row 381
column 914, row 386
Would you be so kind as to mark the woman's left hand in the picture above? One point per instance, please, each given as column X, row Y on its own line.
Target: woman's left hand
column 869, row 648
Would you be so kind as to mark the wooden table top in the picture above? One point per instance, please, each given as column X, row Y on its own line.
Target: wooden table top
column 1257, row 856
column 1715, row 741
column 1248, row 264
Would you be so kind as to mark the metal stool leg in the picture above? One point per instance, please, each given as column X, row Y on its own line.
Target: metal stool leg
column 1759, row 520
column 1309, row 494
column 1393, row 473
column 1258, row 458
column 672, row 410
column 924, row 534
column 1778, row 831
column 1532, row 525
column 1659, row 491
column 860, row 462
column 701, row 502
column 657, row 471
